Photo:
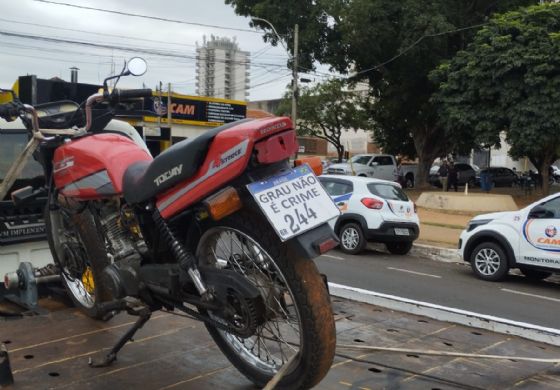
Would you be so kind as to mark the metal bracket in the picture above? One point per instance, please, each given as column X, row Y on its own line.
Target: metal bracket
column 6, row 376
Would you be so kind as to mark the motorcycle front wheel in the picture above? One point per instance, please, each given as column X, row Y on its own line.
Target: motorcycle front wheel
column 298, row 322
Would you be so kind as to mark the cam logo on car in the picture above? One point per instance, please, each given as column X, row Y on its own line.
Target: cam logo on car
column 550, row 231
column 541, row 237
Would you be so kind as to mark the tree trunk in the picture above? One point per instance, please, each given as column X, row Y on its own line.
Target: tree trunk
column 340, row 152
column 544, row 174
column 422, row 174
column 428, row 149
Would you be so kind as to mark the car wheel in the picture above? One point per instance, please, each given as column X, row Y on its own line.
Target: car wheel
column 399, row 248
column 409, row 181
column 534, row 274
column 489, row 262
column 352, row 239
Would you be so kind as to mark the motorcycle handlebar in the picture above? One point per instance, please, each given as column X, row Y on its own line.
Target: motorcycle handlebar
column 132, row 93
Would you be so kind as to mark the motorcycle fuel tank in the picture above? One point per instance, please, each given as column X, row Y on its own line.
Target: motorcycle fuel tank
column 92, row 167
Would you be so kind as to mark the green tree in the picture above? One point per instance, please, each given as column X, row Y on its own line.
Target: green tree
column 328, row 109
column 393, row 45
column 508, row 79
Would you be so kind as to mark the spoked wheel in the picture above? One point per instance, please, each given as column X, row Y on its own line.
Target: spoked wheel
column 79, row 253
column 293, row 318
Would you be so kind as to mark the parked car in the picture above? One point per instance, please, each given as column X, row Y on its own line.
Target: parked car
column 465, row 174
column 379, row 166
column 499, row 176
column 372, row 210
column 527, row 239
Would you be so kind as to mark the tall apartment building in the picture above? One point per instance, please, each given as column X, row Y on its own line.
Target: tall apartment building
column 222, row 69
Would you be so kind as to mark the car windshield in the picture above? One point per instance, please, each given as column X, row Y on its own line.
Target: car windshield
column 360, row 159
column 387, row 191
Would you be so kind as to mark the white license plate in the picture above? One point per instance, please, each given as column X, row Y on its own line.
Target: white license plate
column 294, row 202
column 402, row 232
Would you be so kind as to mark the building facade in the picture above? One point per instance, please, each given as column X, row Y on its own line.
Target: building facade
column 222, row 69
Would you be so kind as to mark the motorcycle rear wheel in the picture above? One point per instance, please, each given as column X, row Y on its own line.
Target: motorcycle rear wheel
column 299, row 319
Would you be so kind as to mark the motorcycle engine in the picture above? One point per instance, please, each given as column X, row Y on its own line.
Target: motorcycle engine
column 121, row 231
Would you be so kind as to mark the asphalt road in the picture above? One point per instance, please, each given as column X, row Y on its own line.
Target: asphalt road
column 447, row 284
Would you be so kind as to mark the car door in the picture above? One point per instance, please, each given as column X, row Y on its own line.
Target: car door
column 540, row 235
column 339, row 190
column 384, row 167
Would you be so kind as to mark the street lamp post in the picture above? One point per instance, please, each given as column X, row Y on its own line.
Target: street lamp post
column 295, row 66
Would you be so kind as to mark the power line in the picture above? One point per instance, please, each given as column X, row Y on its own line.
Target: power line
column 94, row 33
column 147, row 16
column 129, row 49
column 415, row 43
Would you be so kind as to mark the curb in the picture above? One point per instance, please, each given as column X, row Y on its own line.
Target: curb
column 448, row 314
column 436, row 253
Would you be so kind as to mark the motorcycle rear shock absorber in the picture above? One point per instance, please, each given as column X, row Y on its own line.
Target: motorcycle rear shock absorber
column 185, row 257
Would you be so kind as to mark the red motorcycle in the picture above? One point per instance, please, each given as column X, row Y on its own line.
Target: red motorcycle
column 218, row 227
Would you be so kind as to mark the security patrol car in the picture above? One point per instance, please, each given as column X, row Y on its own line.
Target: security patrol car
column 372, row 210
column 528, row 239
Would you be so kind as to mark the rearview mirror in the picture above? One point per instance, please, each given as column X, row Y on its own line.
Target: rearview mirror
column 136, row 66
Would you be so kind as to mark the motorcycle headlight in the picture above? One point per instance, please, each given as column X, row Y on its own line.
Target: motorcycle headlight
column 473, row 224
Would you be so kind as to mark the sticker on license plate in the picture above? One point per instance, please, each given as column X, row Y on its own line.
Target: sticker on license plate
column 401, row 232
column 294, row 202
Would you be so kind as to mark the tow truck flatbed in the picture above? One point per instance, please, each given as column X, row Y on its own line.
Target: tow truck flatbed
column 51, row 351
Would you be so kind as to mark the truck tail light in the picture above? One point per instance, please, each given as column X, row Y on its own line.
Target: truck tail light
column 371, row 203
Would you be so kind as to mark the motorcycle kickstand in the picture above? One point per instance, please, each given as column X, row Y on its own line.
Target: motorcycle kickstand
column 144, row 314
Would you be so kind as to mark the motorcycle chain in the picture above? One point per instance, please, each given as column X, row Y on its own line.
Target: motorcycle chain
column 200, row 317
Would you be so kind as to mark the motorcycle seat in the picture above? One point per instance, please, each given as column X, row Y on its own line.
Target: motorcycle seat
column 143, row 180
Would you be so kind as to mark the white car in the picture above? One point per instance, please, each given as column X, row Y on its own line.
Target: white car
column 528, row 239
column 372, row 210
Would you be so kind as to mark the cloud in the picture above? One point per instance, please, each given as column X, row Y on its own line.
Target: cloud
column 46, row 59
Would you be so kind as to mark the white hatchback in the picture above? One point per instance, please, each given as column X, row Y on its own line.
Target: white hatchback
column 372, row 210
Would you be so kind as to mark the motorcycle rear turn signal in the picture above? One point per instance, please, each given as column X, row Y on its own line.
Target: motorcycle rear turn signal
column 223, row 203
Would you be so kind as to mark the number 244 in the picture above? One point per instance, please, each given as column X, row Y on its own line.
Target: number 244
column 301, row 219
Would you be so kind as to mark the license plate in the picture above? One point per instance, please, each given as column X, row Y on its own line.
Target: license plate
column 294, row 202
column 402, row 232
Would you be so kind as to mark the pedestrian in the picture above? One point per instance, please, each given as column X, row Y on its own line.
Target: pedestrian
column 452, row 177
column 443, row 172
column 398, row 174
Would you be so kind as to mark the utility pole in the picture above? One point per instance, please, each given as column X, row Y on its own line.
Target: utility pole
column 295, row 90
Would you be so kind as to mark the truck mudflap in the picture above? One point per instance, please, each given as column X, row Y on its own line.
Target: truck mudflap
column 314, row 242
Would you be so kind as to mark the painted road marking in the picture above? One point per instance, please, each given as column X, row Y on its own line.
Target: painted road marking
column 449, row 314
column 530, row 295
column 413, row 272
column 333, row 257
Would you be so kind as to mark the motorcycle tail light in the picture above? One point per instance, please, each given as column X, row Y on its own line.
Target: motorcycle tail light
column 371, row 203
column 223, row 203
